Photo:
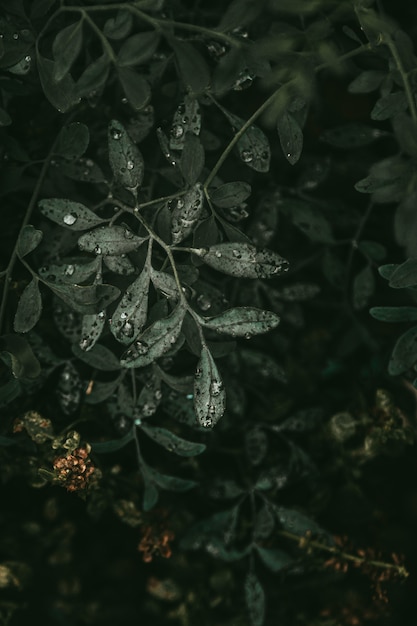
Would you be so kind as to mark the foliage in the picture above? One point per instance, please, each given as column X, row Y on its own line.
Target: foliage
column 197, row 224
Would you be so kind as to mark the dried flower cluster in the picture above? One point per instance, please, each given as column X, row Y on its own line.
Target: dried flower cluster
column 73, row 470
column 155, row 541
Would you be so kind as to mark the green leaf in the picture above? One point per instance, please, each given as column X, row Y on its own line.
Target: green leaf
column 165, row 284
column 29, row 239
column 138, row 49
column 65, row 48
column 172, row 442
column 126, row 161
column 372, row 183
column 23, row 362
column 242, row 260
column 99, row 357
column 5, row 119
column 295, row 522
column 62, row 95
column 75, row 271
column 104, row 447
column 394, row 313
column 230, row 194
column 373, row 249
column 91, row 328
column 192, row 67
column 264, row 523
column 118, row 27
column 72, row 215
column 389, row 105
column 255, row 599
column 187, row 119
column 29, row 308
column 352, row 136
column 256, row 445
column 135, row 86
column 192, row 159
column 404, row 354
column 119, row 264
column 366, row 81
column 243, row 322
column 387, row 270
column 262, row 365
column 130, row 315
column 102, row 391
column 170, row 483
column 156, row 340
column 363, row 288
column 86, row 300
column 94, row 77
column 73, row 140
column 209, row 393
column 275, row 560
column 40, row 7
column 204, row 531
column 291, row 137
column 186, row 213
column 150, row 493
column 404, row 275
column 110, row 240
column 238, row 14
column 253, row 147
column 309, row 220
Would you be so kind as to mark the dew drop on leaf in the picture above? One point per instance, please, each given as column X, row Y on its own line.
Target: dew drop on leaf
column 204, row 302
column 130, row 165
column 69, row 219
column 246, row 156
column 69, row 270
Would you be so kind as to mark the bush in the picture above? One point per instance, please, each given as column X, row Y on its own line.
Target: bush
column 201, row 204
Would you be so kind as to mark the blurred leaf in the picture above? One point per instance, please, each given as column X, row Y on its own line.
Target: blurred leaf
column 255, row 599
column 99, row 357
column 366, row 81
column 103, row 447
column 192, row 67
column 73, row 140
column 275, row 560
column 29, row 308
column 404, row 354
column 389, row 106
column 309, row 220
column 352, row 136
column 24, row 364
column 256, row 445
column 138, row 49
column 118, row 27
column 394, row 313
column 65, row 48
column 363, row 288
column 172, row 442
column 404, row 275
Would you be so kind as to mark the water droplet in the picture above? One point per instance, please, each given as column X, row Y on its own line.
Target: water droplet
column 85, row 343
column 204, row 302
column 97, row 250
column 198, row 373
column 177, row 131
column 124, row 100
column 141, row 347
column 158, row 394
column 101, row 315
column 246, row 156
column 288, row 155
column 248, row 335
column 127, row 329
column 115, row 133
column 123, row 316
column 172, row 340
column 69, row 270
column 15, row 36
column 180, row 203
column 212, row 409
column 218, row 254
column 89, row 163
column 28, row 58
column 128, row 234
column 237, row 254
column 138, row 421
column 216, row 387
column 189, row 396
column 130, row 165
column 69, row 219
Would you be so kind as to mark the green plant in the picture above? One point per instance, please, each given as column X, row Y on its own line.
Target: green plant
column 169, row 152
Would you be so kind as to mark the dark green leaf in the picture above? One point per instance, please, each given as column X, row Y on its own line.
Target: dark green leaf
column 367, row 81
column 171, row 483
column 94, row 77
column 23, row 361
column 7, row 441
column 165, row 283
column 373, row 249
column 262, row 365
column 156, row 340
column 138, row 49
column 150, row 493
column 352, row 135
column 309, row 220
column 295, row 522
column 290, row 137
column 73, row 140
column 135, row 86
column 87, row 300
column 187, row 119
column 29, row 308
column 371, row 183
column 172, row 442
column 29, row 239
column 192, row 159
column 255, row 599
column 204, row 531
column 192, row 68
column 110, row 240
column 239, row 13
column 130, row 315
column 9, row 392
column 386, row 271
column 84, row 170
column 126, row 161
column 102, row 447
column 5, row 119
column 102, row 391
column 256, row 445
column 118, row 27
column 40, row 7
column 186, row 213
column 91, row 329
column 394, row 313
column 275, row 560
column 363, row 288
column 404, row 275
column 62, row 95
column 242, row 260
column 209, row 393
column 72, row 215
column 253, row 146
column 230, row 194
column 243, row 322
column 404, row 354
column 99, row 357
column 264, row 523
column 65, row 48
column 119, row 264
column 389, row 105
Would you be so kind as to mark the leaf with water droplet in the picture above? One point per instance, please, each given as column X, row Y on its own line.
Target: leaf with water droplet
column 255, row 599
column 253, row 147
column 186, row 213
column 135, row 87
column 120, row 264
column 192, row 159
column 291, row 137
column 187, row 119
column 243, row 322
column 99, row 357
column 165, row 283
column 29, row 239
column 29, row 308
column 91, row 329
column 110, row 240
column 123, row 153
column 65, row 48
column 156, row 340
column 209, row 393
column 70, row 214
column 173, row 443
column 230, row 194
column 130, row 315
column 73, row 140
column 274, row 559
column 138, row 48
column 242, row 260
